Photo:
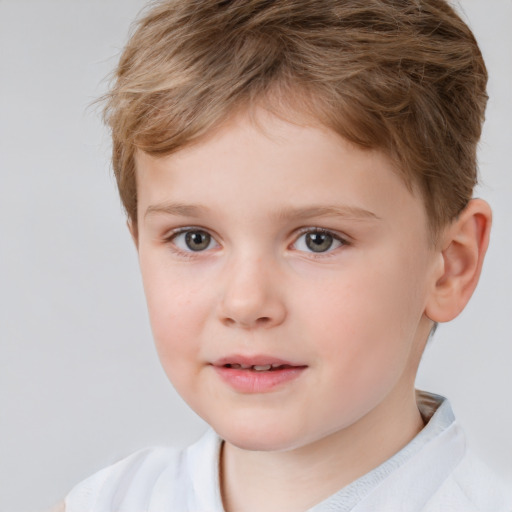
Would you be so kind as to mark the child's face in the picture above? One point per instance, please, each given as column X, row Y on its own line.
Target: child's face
column 285, row 245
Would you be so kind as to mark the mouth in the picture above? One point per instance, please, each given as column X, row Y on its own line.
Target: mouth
column 257, row 374
column 260, row 367
column 256, row 363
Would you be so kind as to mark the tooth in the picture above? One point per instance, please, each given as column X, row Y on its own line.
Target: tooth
column 262, row 368
column 244, row 366
column 235, row 366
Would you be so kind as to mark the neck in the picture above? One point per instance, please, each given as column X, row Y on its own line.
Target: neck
column 297, row 479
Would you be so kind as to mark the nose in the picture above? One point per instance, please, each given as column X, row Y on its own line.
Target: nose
column 251, row 296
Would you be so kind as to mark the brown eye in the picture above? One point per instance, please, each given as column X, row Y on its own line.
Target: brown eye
column 319, row 242
column 197, row 240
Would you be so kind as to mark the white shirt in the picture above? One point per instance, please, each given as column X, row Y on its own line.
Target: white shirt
column 433, row 473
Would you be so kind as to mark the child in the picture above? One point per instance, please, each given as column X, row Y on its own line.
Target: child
column 298, row 180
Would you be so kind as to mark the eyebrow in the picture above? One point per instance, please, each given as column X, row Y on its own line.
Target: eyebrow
column 344, row 211
column 177, row 209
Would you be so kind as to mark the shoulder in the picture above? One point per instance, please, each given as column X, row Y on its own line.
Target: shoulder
column 471, row 487
column 159, row 478
column 135, row 474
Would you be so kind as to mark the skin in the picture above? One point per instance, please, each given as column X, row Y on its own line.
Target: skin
column 355, row 316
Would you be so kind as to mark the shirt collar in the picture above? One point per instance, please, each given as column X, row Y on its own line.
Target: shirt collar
column 440, row 434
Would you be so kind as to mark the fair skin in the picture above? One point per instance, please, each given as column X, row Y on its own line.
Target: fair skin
column 281, row 243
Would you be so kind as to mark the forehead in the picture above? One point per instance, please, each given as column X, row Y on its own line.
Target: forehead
column 262, row 163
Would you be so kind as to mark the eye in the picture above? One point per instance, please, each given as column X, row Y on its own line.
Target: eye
column 318, row 241
column 195, row 240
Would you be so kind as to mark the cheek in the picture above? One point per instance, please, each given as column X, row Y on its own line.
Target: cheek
column 178, row 307
column 364, row 319
column 176, row 323
column 359, row 341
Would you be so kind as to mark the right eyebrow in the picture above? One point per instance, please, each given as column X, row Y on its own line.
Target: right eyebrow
column 177, row 209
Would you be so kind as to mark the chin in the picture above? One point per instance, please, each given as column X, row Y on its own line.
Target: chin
column 260, row 444
column 261, row 436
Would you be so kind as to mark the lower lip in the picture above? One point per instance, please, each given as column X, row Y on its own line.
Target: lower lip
column 250, row 381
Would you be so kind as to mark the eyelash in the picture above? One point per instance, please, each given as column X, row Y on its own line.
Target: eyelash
column 302, row 231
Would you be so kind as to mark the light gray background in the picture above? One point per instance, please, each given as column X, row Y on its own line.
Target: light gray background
column 80, row 384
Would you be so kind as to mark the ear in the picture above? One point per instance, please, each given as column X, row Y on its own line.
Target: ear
column 132, row 227
column 463, row 245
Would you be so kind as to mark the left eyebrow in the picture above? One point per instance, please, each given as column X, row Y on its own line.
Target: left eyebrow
column 345, row 211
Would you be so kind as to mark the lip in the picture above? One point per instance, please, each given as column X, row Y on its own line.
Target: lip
column 254, row 360
column 251, row 381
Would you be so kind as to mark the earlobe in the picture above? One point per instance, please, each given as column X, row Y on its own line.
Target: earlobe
column 132, row 227
column 463, row 247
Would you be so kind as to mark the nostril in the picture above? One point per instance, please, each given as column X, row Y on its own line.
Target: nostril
column 261, row 321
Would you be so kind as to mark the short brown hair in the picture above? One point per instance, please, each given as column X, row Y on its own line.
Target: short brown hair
column 402, row 76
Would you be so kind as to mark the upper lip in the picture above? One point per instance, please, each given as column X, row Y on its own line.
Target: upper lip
column 255, row 360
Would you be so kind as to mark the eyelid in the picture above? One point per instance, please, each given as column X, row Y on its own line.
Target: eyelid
column 170, row 234
column 317, row 229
